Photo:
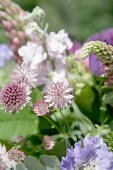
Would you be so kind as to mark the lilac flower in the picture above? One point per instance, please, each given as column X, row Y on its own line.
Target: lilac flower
column 58, row 43
column 94, row 64
column 5, row 54
column 32, row 54
column 90, row 153
column 58, row 94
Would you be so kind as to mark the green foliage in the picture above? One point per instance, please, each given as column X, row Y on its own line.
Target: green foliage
column 24, row 123
column 6, row 72
column 44, row 163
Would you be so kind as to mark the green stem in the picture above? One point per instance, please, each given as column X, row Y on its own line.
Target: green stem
column 65, row 120
column 52, row 122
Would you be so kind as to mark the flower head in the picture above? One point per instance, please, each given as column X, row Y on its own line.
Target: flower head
column 32, row 54
column 41, row 108
column 15, row 155
column 58, row 43
column 14, row 96
column 48, row 142
column 58, row 94
column 90, row 153
column 25, row 75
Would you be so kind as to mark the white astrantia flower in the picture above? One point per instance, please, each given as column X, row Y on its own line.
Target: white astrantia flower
column 23, row 74
column 58, row 43
column 58, row 94
column 32, row 54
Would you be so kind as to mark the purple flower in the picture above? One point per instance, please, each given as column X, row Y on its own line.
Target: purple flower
column 91, row 153
column 94, row 64
column 5, row 54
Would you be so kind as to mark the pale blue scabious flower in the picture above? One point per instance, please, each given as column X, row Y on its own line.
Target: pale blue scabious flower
column 91, row 153
column 5, row 54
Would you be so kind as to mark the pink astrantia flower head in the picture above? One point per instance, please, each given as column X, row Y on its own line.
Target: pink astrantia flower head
column 58, row 94
column 25, row 75
column 14, row 96
column 41, row 108
column 15, row 155
column 48, row 142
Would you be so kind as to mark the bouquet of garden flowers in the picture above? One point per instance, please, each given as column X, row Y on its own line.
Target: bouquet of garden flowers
column 56, row 96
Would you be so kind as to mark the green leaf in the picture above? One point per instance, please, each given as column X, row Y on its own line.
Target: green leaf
column 59, row 149
column 85, row 124
column 31, row 163
column 5, row 73
column 86, row 98
column 108, row 98
column 21, row 166
column 36, row 95
column 51, row 162
column 23, row 123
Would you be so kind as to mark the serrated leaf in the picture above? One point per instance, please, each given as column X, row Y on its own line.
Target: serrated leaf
column 23, row 123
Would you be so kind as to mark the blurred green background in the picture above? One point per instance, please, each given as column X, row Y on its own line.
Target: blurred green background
column 80, row 18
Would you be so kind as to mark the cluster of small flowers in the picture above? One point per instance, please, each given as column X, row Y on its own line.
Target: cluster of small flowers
column 12, row 21
column 91, row 153
column 10, row 159
column 45, row 55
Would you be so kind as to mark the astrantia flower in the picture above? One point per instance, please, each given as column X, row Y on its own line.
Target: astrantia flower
column 41, row 108
column 5, row 54
column 90, row 153
column 32, row 54
column 25, row 75
column 14, row 96
column 15, row 155
column 58, row 94
column 58, row 43
column 48, row 142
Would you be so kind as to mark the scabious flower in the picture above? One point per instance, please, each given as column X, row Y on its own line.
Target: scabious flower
column 58, row 43
column 23, row 74
column 58, row 94
column 91, row 153
column 94, row 64
column 14, row 96
column 32, row 54
column 5, row 54
column 48, row 142
column 41, row 108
